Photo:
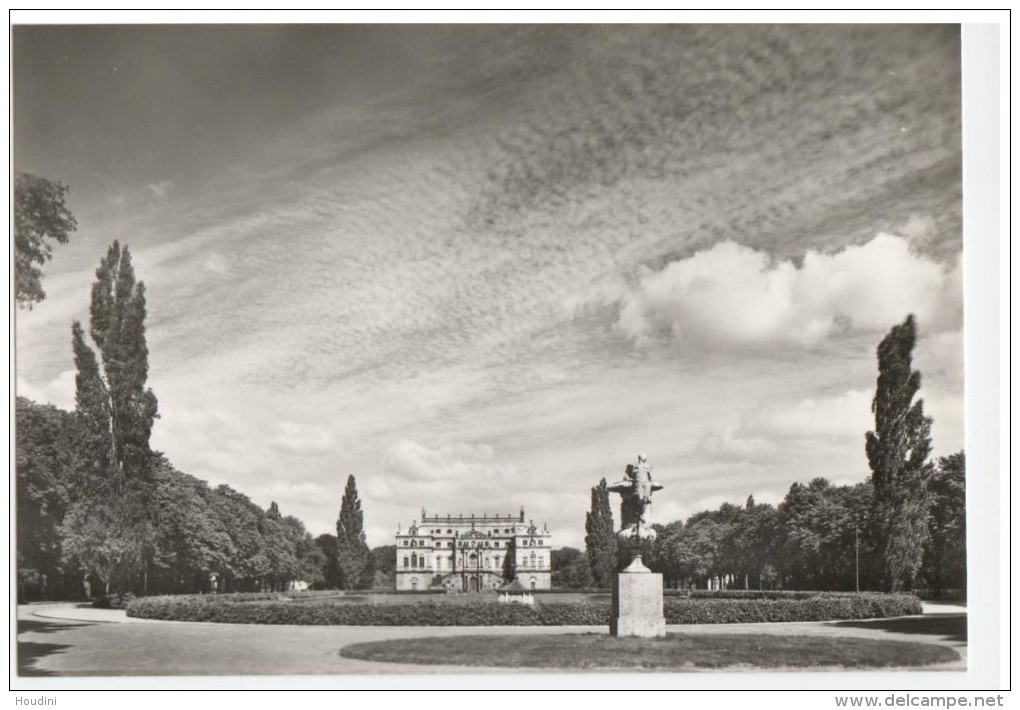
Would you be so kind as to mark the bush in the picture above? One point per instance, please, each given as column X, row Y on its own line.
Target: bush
column 754, row 594
column 821, row 607
column 221, row 609
column 113, row 601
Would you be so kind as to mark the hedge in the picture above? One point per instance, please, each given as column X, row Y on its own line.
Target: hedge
column 428, row 613
column 757, row 594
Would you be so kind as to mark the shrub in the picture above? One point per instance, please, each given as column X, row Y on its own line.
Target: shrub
column 222, row 609
column 113, row 601
column 754, row 594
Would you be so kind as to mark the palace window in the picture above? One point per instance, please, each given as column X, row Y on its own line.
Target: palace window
column 407, row 561
column 414, row 559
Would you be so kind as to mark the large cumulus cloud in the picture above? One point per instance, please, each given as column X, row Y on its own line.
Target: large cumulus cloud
column 732, row 295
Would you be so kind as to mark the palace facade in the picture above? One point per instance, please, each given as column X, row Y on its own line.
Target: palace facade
column 470, row 553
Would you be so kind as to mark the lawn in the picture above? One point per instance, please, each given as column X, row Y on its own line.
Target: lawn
column 674, row 652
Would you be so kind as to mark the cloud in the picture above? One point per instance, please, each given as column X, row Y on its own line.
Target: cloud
column 58, row 392
column 825, row 417
column 303, row 439
column 217, row 264
column 732, row 295
column 161, row 190
column 455, row 462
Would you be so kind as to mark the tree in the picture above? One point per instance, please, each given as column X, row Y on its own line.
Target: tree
column 117, row 327
column 40, row 216
column 191, row 541
column 352, row 549
column 817, row 531
column 114, row 414
column 331, row 577
column 43, row 448
column 600, row 536
column 570, row 569
column 945, row 559
column 384, row 566
column 509, row 570
column 898, row 451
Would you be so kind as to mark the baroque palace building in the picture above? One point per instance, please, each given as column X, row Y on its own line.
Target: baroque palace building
column 470, row 553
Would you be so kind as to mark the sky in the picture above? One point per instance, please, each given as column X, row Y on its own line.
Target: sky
column 483, row 267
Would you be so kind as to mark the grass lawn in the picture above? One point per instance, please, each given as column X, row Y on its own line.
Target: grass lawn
column 674, row 652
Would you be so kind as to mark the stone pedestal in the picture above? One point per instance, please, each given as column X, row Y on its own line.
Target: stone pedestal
column 637, row 602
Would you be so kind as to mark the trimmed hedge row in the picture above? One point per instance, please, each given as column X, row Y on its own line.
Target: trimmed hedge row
column 428, row 613
column 757, row 594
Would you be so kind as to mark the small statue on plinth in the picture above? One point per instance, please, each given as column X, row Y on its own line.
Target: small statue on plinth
column 636, row 490
column 637, row 607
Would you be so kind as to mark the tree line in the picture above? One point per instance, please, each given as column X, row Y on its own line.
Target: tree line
column 191, row 537
column 902, row 528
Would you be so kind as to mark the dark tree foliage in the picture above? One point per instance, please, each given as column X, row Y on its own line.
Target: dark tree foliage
column 331, row 577
column 109, row 527
column 93, row 439
column 805, row 543
column 352, row 549
column 384, row 566
column 945, row 559
column 118, row 329
column 509, row 568
column 310, row 560
column 570, row 569
column 43, row 444
column 600, row 536
column 817, row 531
column 898, row 451
column 193, row 542
column 40, row 217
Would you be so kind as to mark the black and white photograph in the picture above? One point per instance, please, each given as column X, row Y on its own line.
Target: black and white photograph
column 464, row 349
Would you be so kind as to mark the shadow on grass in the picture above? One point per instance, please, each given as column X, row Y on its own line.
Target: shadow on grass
column 30, row 651
column 952, row 627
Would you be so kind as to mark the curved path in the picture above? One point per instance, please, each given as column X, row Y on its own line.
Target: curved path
column 65, row 639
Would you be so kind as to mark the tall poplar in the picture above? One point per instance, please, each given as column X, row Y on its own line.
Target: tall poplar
column 117, row 327
column 600, row 536
column 352, row 548
column 898, row 451
column 109, row 526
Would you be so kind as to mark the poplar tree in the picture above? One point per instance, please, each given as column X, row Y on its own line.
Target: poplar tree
column 351, row 547
column 108, row 527
column 898, row 451
column 118, row 329
column 600, row 536
column 93, row 442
